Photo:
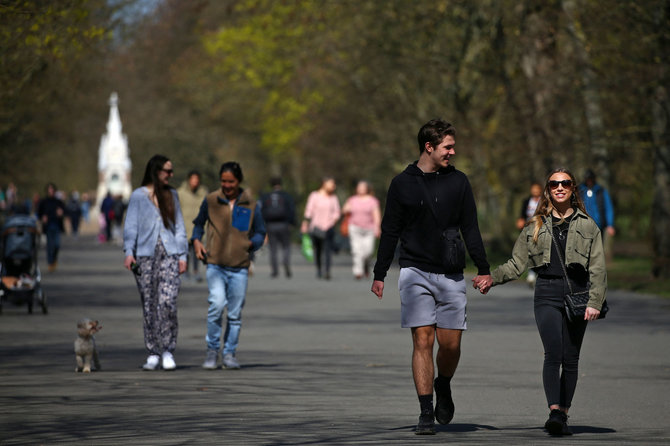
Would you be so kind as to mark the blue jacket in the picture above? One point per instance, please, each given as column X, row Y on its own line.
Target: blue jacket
column 144, row 224
column 598, row 204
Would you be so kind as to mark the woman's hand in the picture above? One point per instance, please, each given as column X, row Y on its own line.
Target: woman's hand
column 128, row 262
column 591, row 314
column 182, row 266
column 304, row 227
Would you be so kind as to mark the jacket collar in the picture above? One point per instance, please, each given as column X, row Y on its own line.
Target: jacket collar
column 242, row 198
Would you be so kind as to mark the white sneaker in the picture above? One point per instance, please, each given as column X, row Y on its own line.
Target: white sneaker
column 168, row 361
column 152, row 362
column 230, row 362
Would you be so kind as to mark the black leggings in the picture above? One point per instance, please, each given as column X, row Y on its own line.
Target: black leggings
column 562, row 341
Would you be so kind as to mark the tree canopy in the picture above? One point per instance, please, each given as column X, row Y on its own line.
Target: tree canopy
column 307, row 88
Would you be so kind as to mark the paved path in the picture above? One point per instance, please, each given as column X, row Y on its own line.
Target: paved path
column 323, row 363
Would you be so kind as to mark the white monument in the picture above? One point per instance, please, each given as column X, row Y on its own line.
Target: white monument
column 114, row 164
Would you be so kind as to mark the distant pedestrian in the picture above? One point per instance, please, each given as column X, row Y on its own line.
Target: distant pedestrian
column 527, row 211
column 598, row 204
column 278, row 211
column 235, row 229
column 107, row 213
column 154, row 242
column 85, row 207
column 577, row 243
column 428, row 206
column 50, row 212
column 73, row 211
column 364, row 221
column 321, row 214
column 191, row 194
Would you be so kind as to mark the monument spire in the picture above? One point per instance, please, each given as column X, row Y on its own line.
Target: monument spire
column 114, row 165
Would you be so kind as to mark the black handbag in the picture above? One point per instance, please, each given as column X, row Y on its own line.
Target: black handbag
column 452, row 249
column 574, row 302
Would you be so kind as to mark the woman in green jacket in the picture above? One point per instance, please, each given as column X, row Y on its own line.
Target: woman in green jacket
column 560, row 211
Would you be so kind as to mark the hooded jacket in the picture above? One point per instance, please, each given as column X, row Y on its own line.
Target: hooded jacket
column 408, row 217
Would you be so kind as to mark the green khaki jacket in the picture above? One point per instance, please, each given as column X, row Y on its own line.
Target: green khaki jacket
column 584, row 248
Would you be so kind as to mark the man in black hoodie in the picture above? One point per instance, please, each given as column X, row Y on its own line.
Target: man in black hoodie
column 428, row 207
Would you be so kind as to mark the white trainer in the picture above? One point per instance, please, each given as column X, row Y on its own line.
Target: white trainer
column 168, row 361
column 152, row 362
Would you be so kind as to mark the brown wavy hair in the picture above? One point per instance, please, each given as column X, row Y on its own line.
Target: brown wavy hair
column 546, row 206
column 163, row 193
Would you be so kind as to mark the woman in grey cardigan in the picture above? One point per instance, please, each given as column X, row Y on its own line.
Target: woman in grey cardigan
column 560, row 211
column 154, row 242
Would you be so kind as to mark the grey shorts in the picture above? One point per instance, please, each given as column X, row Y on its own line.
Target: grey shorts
column 432, row 299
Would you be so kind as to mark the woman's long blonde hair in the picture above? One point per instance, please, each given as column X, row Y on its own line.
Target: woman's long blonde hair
column 545, row 206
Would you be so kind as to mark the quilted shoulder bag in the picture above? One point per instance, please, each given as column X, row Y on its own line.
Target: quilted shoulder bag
column 574, row 302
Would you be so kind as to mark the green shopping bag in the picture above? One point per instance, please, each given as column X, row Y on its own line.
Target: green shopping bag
column 307, row 249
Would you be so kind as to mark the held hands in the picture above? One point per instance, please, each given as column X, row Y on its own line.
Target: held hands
column 482, row 283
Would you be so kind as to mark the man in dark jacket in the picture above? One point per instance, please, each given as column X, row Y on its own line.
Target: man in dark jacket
column 50, row 212
column 278, row 212
column 428, row 207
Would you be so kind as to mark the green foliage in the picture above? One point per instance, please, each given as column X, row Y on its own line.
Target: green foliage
column 305, row 88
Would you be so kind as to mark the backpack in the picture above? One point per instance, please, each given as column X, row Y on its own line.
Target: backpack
column 274, row 207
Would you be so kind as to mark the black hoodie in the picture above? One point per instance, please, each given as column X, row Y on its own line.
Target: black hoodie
column 408, row 217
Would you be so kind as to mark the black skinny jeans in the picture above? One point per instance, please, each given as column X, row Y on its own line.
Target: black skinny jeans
column 325, row 246
column 562, row 341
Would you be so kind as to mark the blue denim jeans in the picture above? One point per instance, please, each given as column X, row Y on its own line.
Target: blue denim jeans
column 227, row 288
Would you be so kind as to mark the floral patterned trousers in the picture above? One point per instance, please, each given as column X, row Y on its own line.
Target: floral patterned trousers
column 159, row 286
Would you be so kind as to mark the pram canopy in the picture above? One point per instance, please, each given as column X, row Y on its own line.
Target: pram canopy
column 19, row 237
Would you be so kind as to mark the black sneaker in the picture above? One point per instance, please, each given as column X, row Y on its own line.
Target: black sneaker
column 566, row 429
column 444, row 405
column 557, row 419
column 426, row 425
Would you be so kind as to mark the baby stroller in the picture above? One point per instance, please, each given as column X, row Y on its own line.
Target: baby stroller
column 18, row 263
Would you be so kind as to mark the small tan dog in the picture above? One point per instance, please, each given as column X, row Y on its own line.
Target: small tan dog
column 84, row 345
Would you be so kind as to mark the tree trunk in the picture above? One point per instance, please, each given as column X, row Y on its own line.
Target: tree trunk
column 661, row 205
column 661, row 138
column 590, row 96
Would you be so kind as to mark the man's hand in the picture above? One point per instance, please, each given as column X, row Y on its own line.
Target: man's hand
column 199, row 248
column 378, row 288
column 483, row 283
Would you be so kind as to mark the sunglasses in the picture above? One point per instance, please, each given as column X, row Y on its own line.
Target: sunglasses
column 168, row 171
column 567, row 184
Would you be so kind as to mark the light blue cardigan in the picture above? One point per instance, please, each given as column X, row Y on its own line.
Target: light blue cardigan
column 143, row 225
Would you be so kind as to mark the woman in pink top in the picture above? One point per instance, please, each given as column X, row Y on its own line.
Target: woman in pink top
column 321, row 214
column 364, row 227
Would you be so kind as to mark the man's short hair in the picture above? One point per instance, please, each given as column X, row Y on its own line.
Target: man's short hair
column 193, row 172
column 434, row 132
column 275, row 181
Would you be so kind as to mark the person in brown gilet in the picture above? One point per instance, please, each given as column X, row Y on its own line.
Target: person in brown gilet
column 235, row 229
